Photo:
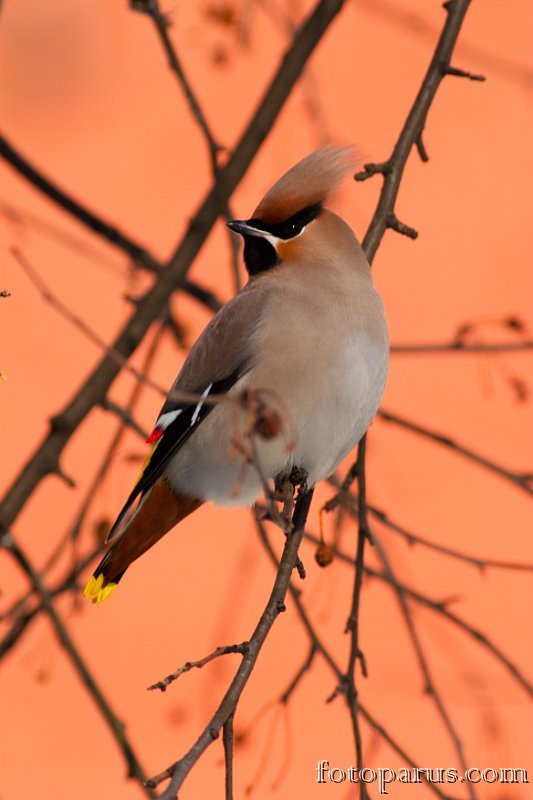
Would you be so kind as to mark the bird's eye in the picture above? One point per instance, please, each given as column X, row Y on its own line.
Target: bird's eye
column 293, row 229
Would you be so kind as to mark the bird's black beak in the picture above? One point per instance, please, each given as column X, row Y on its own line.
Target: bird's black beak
column 245, row 228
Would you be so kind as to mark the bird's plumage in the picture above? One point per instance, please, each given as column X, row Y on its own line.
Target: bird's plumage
column 310, row 182
column 306, row 340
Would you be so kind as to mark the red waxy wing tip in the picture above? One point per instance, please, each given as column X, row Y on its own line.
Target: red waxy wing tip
column 155, row 435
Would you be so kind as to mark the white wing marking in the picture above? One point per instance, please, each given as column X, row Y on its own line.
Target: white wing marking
column 166, row 419
column 200, row 404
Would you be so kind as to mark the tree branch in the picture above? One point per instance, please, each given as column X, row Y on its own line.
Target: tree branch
column 344, row 498
column 178, row 771
column 392, row 169
column 348, row 685
column 217, row 653
column 91, row 393
column 139, row 254
column 438, row 348
column 524, row 480
column 317, row 644
column 441, row 607
column 480, row 562
column 430, row 687
column 162, row 24
column 116, row 727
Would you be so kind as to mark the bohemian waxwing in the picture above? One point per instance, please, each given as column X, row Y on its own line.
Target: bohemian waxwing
column 305, row 341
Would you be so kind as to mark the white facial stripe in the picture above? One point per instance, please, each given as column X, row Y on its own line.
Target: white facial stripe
column 200, row 404
column 274, row 240
column 166, row 419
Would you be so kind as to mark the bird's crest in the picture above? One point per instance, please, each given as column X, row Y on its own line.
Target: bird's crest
column 308, row 183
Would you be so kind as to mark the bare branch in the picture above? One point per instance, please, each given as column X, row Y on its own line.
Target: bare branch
column 392, row 169
column 436, row 348
column 318, row 645
column 295, row 682
column 441, row 607
column 344, row 498
column 406, row 758
column 228, row 742
column 125, row 415
column 162, row 24
column 217, row 653
column 524, row 480
column 480, row 562
column 178, row 771
column 152, row 303
column 116, row 727
column 140, row 255
column 348, row 684
column 430, row 687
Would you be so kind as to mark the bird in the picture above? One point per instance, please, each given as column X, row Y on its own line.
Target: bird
column 288, row 374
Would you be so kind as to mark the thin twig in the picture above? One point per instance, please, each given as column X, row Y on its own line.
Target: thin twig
column 348, row 684
column 124, row 415
column 162, row 26
column 430, row 687
column 178, row 771
column 524, row 480
column 295, row 682
column 440, row 607
column 481, row 563
column 163, row 684
column 87, row 331
column 22, row 618
column 344, row 499
column 139, row 254
column 117, row 727
column 228, row 742
column 468, row 348
column 397, row 748
column 316, row 642
column 126, row 421
column 392, row 170
column 46, row 457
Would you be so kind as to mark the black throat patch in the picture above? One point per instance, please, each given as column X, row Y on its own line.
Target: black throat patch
column 259, row 255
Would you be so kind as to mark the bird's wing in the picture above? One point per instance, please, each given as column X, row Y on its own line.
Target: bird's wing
column 217, row 360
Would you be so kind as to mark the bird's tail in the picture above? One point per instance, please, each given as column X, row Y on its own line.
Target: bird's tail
column 158, row 512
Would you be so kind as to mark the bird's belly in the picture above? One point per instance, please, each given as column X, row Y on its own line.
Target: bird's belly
column 324, row 413
column 218, row 463
column 346, row 396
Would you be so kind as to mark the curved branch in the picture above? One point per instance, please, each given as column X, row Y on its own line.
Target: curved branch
column 178, row 771
column 45, row 459
column 115, row 725
column 392, row 170
column 524, row 480
column 113, row 235
column 440, row 607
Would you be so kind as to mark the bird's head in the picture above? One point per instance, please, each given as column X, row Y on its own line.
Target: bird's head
column 286, row 218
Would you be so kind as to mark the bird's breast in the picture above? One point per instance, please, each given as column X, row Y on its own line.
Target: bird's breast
column 322, row 348
column 318, row 364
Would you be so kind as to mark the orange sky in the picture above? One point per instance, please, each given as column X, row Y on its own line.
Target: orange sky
column 86, row 94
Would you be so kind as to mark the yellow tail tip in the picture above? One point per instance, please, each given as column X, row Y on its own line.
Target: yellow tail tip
column 96, row 591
